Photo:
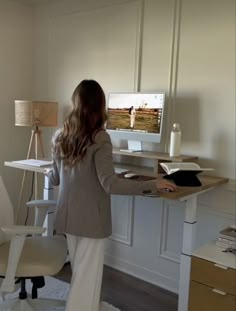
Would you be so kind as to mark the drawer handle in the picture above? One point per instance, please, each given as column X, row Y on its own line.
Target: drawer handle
column 220, row 266
column 217, row 291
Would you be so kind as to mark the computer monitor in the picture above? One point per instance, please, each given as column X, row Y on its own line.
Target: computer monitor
column 136, row 117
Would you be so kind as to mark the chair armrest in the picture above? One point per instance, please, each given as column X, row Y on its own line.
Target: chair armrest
column 22, row 230
column 42, row 203
column 42, row 208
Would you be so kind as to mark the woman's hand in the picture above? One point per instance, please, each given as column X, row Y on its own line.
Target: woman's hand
column 163, row 184
column 46, row 171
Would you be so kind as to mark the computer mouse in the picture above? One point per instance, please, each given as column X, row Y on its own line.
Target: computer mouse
column 166, row 190
column 130, row 175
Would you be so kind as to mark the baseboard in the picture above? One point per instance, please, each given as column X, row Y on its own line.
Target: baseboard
column 142, row 273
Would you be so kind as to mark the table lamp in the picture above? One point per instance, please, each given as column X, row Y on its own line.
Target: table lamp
column 36, row 114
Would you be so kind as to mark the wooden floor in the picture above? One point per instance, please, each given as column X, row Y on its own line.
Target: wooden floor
column 130, row 294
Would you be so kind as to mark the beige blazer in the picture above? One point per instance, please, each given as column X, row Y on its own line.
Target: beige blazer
column 84, row 204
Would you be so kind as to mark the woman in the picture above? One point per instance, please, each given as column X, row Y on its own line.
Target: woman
column 82, row 166
column 132, row 114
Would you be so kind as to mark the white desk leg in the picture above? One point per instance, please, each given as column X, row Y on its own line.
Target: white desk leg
column 48, row 195
column 189, row 234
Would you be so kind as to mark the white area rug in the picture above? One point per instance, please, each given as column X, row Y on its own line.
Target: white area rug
column 56, row 289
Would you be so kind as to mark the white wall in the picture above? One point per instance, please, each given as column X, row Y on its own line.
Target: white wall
column 206, row 83
column 16, row 75
column 188, row 53
column 100, row 39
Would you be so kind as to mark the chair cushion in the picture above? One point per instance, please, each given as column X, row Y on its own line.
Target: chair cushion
column 40, row 256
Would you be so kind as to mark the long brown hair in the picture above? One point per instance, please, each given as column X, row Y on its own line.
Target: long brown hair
column 86, row 118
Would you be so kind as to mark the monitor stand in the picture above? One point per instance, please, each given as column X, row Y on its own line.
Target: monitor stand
column 133, row 146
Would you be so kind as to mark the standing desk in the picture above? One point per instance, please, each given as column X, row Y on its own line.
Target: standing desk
column 188, row 195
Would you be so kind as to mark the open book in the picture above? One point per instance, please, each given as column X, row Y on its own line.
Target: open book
column 184, row 173
column 172, row 167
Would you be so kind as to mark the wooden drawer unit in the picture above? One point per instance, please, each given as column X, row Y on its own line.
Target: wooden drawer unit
column 204, row 298
column 213, row 280
column 213, row 275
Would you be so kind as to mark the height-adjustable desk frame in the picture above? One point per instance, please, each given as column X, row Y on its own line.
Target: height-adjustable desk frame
column 188, row 195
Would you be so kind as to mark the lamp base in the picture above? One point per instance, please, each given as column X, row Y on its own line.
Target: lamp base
column 36, row 136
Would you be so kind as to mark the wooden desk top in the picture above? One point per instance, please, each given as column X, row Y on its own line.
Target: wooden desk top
column 207, row 181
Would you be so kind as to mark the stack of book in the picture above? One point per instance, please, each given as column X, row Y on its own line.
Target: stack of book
column 227, row 238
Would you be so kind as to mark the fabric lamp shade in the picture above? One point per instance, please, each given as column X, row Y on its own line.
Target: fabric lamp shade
column 36, row 113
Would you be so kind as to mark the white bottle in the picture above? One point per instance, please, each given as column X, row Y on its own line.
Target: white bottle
column 175, row 140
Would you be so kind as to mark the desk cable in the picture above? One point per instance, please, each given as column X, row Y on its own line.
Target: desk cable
column 30, row 197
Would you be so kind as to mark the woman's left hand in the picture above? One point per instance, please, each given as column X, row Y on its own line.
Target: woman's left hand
column 46, row 171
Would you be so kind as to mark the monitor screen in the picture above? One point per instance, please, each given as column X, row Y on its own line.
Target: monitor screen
column 139, row 116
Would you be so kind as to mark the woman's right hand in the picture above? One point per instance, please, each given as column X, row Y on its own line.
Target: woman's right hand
column 163, row 184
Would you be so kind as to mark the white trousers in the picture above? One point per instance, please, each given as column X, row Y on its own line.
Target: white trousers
column 86, row 257
column 132, row 120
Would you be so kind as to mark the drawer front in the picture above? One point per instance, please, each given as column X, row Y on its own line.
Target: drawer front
column 210, row 274
column 203, row 298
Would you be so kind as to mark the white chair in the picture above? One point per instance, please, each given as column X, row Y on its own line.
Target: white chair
column 24, row 254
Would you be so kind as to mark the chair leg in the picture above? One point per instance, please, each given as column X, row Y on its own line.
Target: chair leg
column 23, row 292
column 38, row 282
